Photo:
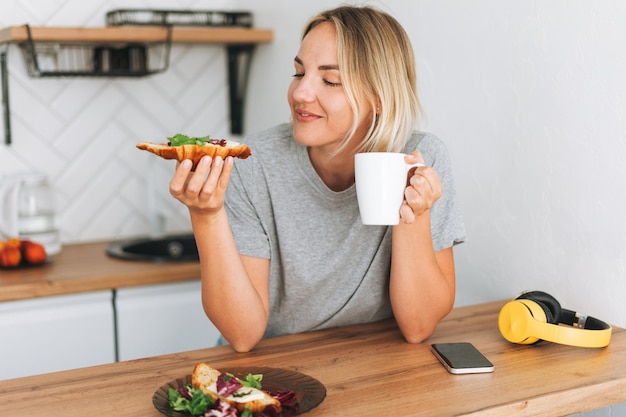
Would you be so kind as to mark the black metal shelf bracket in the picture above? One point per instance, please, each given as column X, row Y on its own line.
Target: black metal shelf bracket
column 239, row 60
column 6, row 112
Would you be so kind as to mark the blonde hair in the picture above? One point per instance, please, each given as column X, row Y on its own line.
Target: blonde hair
column 376, row 61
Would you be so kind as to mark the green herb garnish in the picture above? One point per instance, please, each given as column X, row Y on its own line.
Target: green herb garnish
column 180, row 139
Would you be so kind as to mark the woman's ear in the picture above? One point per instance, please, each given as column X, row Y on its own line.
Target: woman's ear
column 378, row 106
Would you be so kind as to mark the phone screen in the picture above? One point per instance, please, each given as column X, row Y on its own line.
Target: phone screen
column 461, row 358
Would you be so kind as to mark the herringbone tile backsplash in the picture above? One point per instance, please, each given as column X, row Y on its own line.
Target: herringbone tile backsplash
column 81, row 131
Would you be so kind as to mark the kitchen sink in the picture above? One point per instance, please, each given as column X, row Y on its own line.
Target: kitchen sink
column 180, row 248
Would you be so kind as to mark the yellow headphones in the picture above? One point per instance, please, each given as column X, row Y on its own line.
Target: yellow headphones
column 535, row 316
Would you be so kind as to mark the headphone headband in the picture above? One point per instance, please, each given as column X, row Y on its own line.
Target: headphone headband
column 527, row 321
column 580, row 321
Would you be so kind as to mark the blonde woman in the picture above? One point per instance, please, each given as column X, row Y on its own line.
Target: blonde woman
column 281, row 243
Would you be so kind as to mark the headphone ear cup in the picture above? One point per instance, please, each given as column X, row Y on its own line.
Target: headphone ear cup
column 515, row 319
column 547, row 302
column 549, row 319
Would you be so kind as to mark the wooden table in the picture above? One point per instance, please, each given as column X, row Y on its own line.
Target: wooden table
column 368, row 370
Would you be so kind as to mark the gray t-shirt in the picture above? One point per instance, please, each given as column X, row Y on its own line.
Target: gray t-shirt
column 326, row 268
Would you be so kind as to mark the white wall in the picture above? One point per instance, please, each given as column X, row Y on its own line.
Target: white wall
column 530, row 98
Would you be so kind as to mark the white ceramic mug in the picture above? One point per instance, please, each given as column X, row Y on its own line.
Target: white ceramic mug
column 381, row 178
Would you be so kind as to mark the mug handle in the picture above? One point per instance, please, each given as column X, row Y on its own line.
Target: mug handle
column 415, row 165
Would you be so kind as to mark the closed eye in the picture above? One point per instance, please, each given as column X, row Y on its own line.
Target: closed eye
column 326, row 82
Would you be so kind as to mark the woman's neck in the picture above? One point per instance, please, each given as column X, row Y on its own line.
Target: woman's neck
column 336, row 171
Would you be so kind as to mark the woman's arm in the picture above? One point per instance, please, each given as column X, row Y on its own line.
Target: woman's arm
column 235, row 293
column 422, row 283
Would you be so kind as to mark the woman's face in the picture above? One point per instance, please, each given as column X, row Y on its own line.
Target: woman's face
column 319, row 108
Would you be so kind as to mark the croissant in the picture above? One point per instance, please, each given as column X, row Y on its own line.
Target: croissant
column 195, row 152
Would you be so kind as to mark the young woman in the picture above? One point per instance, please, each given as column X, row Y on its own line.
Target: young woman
column 282, row 247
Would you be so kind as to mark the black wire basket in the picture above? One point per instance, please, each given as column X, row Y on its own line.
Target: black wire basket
column 102, row 59
column 150, row 17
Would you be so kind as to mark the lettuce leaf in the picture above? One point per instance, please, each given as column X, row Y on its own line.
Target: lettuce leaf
column 252, row 381
column 190, row 400
column 180, row 139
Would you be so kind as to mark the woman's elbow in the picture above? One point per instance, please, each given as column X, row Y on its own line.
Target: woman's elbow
column 418, row 334
column 243, row 343
column 243, row 347
column 415, row 331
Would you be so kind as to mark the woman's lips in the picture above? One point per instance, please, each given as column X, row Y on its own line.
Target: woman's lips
column 305, row 116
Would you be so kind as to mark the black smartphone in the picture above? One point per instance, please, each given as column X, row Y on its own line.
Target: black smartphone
column 461, row 358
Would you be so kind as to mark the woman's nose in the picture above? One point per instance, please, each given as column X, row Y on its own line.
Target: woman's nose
column 302, row 90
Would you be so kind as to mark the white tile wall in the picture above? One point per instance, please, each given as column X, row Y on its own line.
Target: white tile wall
column 81, row 131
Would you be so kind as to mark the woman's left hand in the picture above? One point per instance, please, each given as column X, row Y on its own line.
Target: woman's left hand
column 424, row 188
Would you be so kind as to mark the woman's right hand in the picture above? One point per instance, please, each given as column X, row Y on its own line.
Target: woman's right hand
column 202, row 190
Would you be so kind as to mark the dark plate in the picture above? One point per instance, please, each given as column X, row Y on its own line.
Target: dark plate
column 309, row 391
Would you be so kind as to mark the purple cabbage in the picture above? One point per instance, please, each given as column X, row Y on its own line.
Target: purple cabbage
column 269, row 411
column 227, row 384
column 287, row 398
column 221, row 409
column 185, row 392
column 288, row 402
column 221, row 142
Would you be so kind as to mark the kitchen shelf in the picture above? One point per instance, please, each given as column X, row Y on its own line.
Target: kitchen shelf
column 132, row 34
column 239, row 41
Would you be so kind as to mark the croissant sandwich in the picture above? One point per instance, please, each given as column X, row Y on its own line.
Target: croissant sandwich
column 181, row 147
column 220, row 386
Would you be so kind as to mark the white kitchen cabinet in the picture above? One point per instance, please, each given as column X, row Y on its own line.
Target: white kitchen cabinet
column 160, row 319
column 50, row 334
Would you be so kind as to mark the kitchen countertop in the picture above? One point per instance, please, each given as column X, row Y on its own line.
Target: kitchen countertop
column 86, row 267
column 367, row 370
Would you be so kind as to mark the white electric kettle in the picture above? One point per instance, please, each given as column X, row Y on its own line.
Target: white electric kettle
column 27, row 211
